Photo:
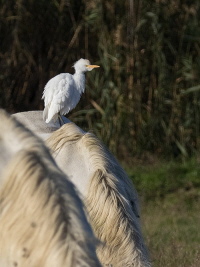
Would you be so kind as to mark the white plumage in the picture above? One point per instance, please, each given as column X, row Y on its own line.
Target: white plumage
column 62, row 93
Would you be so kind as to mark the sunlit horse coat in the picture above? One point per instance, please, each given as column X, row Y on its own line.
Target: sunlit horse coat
column 42, row 220
column 109, row 196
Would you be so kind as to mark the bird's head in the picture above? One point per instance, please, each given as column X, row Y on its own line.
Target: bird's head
column 83, row 65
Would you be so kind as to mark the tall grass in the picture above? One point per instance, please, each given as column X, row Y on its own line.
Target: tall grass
column 145, row 97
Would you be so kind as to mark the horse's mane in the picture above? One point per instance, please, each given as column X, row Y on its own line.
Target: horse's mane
column 68, row 133
column 111, row 202
column 42, row 222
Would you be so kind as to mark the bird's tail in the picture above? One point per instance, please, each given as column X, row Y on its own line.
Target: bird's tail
column 48, row 116
column 45, row 113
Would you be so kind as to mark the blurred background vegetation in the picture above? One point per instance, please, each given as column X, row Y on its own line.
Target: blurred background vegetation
column 144, row 101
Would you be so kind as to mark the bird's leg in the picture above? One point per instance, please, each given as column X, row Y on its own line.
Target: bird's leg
column 60, row 120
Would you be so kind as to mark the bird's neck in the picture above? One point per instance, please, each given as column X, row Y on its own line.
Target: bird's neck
column 79, row 79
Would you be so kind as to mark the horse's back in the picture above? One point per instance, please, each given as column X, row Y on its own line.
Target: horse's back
column 34, row 121
column 108, row 194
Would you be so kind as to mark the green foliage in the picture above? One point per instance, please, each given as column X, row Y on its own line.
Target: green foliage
column 145, row 97
column 158, row 181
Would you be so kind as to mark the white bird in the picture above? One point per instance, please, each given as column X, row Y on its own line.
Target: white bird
column 62, row 93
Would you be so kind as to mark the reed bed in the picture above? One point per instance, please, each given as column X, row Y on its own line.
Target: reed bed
column 146, row 96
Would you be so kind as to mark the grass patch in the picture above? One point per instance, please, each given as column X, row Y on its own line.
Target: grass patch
column 170, row 198
column 171, row 229
column 158, row 181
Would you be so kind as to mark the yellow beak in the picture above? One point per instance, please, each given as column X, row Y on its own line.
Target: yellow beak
column 92, row 66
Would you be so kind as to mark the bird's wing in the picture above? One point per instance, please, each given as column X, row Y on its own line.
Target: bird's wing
column 72, row 97
column 57, row 95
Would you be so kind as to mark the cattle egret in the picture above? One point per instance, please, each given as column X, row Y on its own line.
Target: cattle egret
column 62, row 93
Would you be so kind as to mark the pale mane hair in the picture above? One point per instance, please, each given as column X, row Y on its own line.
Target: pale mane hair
column 42, row 222
column 111, row 202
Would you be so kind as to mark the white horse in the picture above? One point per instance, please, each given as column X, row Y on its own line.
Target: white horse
column 42, row 220
column 109, row 197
